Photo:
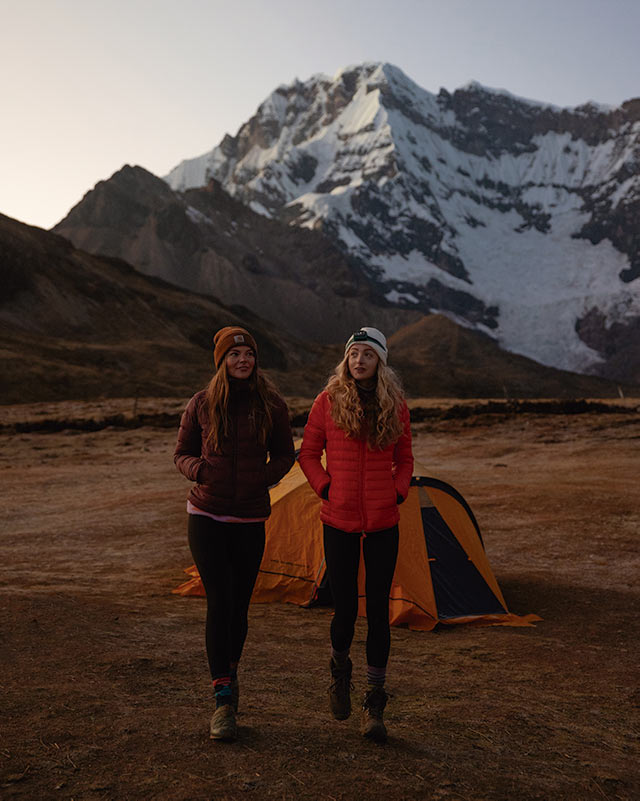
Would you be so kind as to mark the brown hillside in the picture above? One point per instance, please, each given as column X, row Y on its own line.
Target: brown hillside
column 74, row 325
column 436, row 358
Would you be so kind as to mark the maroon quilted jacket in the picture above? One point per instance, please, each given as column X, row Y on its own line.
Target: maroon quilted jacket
column 235, row 481
column 364, row 485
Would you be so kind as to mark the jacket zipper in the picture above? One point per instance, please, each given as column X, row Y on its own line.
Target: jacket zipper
column 235, row 456
column 363, row 456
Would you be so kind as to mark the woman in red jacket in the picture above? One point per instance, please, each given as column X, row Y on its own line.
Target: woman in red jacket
column 361, row 420
column 226, row 432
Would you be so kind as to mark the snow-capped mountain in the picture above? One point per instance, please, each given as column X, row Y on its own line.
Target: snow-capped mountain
column 514, row 217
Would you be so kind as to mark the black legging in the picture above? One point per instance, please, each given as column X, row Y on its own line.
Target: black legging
column 228, row 557
column 342, row 554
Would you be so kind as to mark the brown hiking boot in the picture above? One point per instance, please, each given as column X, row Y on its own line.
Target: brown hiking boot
column 372, row 726
column 235, row 694
column 340, row 689
column 223, row 723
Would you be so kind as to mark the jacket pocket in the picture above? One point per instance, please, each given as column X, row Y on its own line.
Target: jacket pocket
column 216, row 477
column 251, row 481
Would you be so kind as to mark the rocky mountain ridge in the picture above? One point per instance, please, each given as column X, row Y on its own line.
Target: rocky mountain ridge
column 514, row 217
column 206, row 241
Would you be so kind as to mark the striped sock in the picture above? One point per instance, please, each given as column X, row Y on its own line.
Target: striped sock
column 222, row 689
column 376, row 676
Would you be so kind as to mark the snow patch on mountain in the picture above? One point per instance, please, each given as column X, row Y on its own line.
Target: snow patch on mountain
column 485, row 206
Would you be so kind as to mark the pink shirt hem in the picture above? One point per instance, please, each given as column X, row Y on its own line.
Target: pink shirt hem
column 193, row 510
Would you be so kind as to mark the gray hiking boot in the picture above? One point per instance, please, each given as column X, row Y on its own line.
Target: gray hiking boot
column 340, row 689
column 223, row 723
column 372, row 726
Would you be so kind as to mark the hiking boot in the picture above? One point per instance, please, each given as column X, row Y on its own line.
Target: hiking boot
column 372, row 726
column 235, row 694
column 223, row 723
column 340, row 689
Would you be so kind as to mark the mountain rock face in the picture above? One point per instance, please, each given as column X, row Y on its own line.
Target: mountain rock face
column 208, row 242
column 514, row 217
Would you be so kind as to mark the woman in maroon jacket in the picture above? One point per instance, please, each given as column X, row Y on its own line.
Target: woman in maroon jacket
column 226, row 432
column 361, row 420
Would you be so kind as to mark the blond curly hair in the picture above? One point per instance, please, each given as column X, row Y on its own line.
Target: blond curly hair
column 347, row 412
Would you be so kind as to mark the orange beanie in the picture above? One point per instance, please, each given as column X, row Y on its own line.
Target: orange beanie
column 229, row 336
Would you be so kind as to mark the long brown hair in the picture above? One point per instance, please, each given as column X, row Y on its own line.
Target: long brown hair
column 347, row 412
column 262, row 393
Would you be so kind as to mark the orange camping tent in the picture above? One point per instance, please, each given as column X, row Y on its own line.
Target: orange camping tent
column 442, row 574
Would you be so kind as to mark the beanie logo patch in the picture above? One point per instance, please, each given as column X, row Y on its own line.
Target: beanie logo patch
column 238, row 338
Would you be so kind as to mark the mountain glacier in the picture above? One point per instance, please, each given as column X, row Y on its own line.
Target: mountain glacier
column 514, row 217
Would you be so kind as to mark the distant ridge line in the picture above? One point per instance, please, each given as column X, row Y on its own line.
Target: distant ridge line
column 299, row 418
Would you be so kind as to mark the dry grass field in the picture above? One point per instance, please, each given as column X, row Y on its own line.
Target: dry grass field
column 103, row 674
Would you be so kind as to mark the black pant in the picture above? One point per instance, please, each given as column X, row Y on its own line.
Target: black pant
column 342, row 554
column 228, row 557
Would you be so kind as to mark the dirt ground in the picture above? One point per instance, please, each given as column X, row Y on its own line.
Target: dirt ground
column 104, row 682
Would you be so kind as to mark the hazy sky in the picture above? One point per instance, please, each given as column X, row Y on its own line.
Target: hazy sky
column 89, row 85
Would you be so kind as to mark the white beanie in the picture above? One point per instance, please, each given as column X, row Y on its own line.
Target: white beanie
column 375, row 339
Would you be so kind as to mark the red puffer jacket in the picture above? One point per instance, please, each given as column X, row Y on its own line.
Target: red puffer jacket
column 234, row 481
column 363, row 484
